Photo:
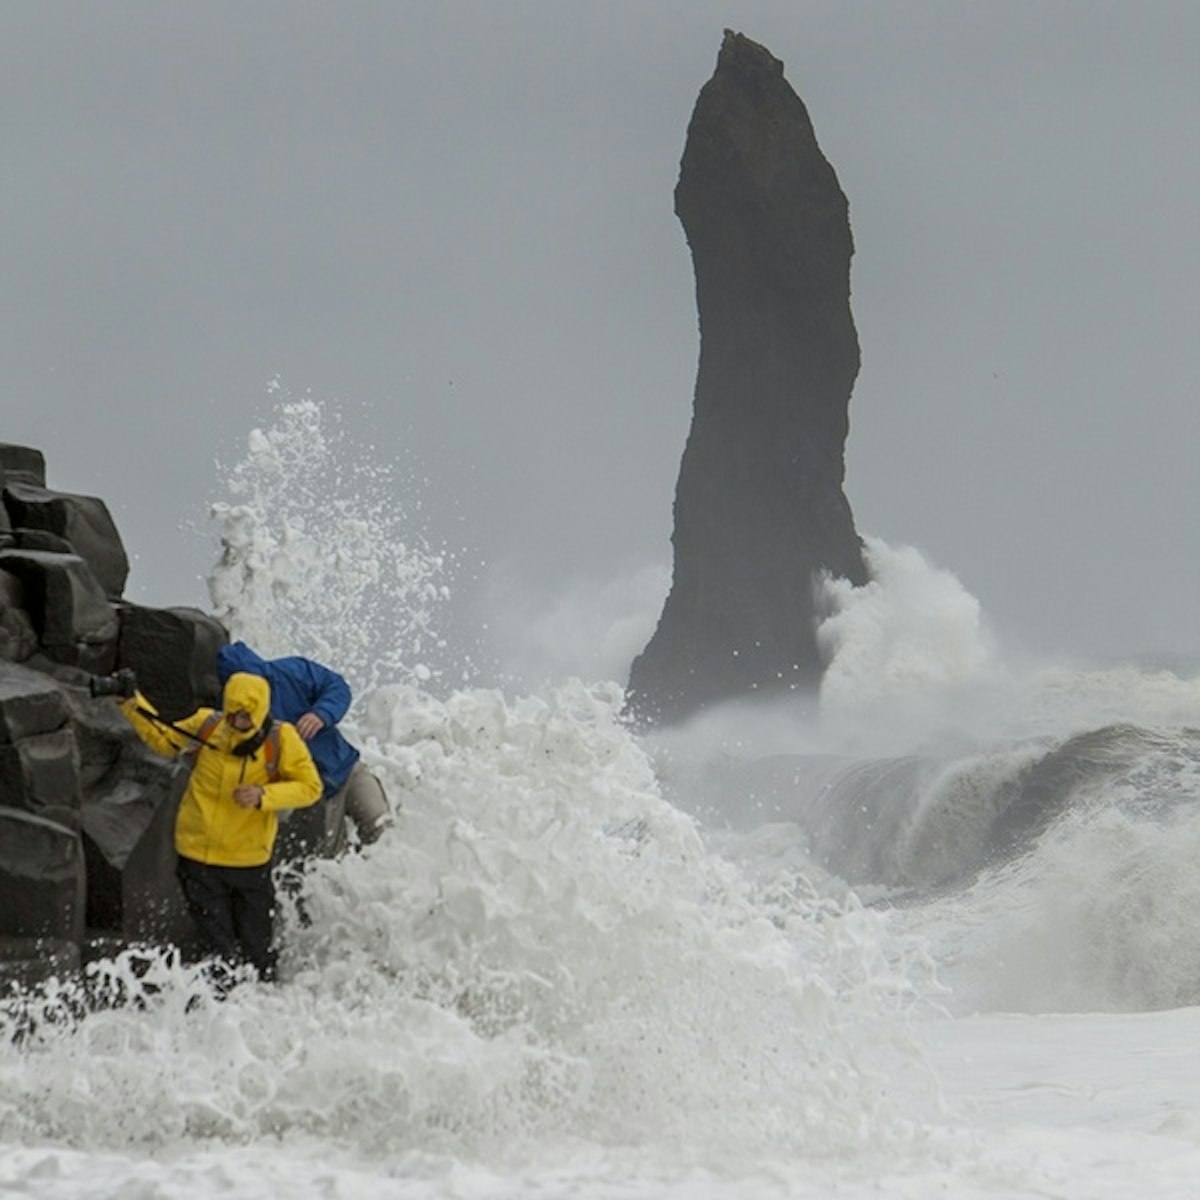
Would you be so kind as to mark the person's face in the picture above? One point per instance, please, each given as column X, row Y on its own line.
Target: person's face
column 240, row 720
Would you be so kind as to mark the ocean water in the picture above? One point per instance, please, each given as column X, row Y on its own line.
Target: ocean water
column 931, row 933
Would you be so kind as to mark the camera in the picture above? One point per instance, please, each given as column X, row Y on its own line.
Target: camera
column 123, row 683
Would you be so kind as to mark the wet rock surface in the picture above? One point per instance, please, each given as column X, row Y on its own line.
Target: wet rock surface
column 86, row 811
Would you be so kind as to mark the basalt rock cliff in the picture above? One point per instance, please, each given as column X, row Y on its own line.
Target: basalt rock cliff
column 759, row 509
column 87, row 813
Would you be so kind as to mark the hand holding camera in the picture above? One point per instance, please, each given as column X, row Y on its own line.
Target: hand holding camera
column 123, row 683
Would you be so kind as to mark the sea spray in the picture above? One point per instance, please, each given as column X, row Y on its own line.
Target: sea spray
column 322, row 554
column 913, row 661
column 899, row 647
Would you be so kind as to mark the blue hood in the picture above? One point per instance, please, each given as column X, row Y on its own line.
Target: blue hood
column 298, row 686
column 239, row 657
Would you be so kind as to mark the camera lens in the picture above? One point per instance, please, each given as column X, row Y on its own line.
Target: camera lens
column 123, row 683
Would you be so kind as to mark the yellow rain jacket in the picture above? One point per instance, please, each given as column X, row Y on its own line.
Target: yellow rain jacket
column 210, row 826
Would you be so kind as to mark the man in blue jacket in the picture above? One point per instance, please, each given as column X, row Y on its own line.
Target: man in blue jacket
column 314, row 699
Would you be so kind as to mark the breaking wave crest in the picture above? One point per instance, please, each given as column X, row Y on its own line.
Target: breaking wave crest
column 1092, row 903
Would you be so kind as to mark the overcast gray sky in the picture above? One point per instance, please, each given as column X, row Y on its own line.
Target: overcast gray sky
column 454, row 220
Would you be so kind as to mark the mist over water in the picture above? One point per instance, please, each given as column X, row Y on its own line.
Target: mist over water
column 591, row 629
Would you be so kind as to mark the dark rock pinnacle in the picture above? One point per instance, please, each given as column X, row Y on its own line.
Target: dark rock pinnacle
column 759, row 507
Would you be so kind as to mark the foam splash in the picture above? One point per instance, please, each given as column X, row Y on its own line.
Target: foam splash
column 913, row 664
column 541, row 948
column 320, row 555
column 912, row 628
column 551, row 896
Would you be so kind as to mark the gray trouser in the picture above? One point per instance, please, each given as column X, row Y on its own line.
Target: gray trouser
column 362, row 799
column 321, row 830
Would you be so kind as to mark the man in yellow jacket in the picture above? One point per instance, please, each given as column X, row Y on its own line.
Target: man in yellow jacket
column 247, row 767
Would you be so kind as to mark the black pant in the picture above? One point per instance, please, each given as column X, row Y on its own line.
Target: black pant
column 234, row 909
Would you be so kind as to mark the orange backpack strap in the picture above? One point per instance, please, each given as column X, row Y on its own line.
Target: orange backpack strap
column 270, row 746
column 207, row 728
column 271, row 752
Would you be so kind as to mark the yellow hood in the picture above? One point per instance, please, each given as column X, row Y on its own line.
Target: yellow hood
column 249, row 692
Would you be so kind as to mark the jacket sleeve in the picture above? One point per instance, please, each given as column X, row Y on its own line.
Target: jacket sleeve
column 328, row 693
column 138, row 711
column 298, row 784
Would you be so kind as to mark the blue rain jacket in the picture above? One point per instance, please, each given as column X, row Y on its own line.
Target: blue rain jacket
column 299, row 685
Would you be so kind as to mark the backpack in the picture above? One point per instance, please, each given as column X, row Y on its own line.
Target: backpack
column 270, row 744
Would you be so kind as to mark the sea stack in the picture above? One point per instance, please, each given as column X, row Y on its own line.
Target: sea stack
column 759, row 509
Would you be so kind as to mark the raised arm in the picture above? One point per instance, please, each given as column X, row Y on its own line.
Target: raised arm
column 139, row 712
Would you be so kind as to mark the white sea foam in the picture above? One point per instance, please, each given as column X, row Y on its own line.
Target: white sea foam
column 541, row 948
column 911, row 628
